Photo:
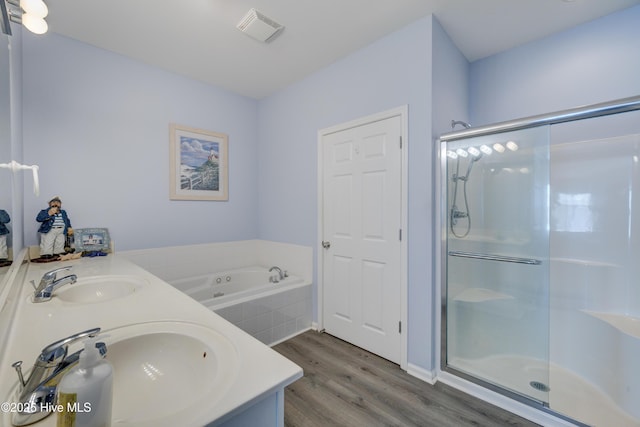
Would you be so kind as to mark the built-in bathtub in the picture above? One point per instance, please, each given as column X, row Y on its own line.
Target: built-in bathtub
column 269, row 309
column 271, row 312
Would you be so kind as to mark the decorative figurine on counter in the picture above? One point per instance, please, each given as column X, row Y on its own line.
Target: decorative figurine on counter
column 54, row 228
column 4, row 231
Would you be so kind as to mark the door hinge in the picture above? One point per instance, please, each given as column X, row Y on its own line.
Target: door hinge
column 400, row 234
column 401, row 143
column 400, row 327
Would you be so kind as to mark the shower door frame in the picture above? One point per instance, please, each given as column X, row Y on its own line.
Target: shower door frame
column 580, row 113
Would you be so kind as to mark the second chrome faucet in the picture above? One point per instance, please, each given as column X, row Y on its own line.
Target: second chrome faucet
column 50, row 283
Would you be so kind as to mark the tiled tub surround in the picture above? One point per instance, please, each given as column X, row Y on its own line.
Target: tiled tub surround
column 269, row 312
column 271, row 318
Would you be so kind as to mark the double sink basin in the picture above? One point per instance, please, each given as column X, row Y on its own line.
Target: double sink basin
column 164, row 371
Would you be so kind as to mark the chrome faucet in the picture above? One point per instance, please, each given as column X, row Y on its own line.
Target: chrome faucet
column 37, row 395
column 281, row 274
column 49, row 283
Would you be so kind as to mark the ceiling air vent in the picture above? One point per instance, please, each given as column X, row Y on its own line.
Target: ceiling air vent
column 260, row 27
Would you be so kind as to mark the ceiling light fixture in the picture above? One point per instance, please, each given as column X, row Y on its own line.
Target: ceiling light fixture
column 30, row 13
column 259, row 26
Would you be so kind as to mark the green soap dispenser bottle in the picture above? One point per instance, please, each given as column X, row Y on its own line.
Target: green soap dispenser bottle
column 85, row 393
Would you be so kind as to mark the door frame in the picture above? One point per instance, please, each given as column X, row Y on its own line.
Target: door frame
column 403, row 113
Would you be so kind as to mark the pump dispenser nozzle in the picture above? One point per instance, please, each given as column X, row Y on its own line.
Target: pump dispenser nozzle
column 88, row 386
column 91, row 354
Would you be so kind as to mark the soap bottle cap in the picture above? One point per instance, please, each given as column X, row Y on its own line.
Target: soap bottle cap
column 91, row 355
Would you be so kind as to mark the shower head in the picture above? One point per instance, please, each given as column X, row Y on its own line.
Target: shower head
column 459, row 122
column 474, row 158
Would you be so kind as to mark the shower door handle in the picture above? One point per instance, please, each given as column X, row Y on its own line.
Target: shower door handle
column 492, row 257
column 326, row 244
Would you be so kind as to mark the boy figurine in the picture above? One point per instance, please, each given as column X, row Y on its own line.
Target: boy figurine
column 4, row 231
column 54, row 229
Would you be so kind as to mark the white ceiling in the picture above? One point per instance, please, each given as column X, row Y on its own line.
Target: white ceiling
column 199, row 39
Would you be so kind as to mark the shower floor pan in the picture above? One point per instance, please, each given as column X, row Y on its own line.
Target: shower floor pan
column 568, row 393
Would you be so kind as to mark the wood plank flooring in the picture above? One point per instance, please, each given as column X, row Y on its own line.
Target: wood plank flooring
column 346, row 386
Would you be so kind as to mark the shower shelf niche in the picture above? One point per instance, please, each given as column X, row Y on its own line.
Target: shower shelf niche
column 629, row 325
column 583, row 262
column 480, row 295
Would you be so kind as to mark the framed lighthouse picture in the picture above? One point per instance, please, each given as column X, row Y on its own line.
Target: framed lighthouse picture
column 199, row 168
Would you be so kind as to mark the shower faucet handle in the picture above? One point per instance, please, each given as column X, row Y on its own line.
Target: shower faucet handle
column 460, row 214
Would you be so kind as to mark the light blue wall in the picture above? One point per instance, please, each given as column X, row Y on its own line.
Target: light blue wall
column 450, row 82
column 594, row 62
column 393, row 71
column 97, row 124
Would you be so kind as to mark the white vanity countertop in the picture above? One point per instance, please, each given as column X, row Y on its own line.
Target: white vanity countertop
column 259, row 371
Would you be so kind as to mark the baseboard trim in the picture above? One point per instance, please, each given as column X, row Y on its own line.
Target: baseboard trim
column 290, row 336
column 422, row 374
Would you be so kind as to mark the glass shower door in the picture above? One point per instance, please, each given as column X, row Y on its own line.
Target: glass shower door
column 497, row 252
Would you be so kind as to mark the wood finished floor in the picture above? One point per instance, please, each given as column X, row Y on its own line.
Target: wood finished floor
column 346, row 386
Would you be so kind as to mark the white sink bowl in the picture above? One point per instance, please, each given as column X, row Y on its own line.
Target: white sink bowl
column 168, row 373
column 96, row 289
column 165, row 374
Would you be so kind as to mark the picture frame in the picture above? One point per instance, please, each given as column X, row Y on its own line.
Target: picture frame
column 199, row 165
column 91, row 239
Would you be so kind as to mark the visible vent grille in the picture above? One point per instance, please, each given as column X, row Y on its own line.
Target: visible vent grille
column 259, row 26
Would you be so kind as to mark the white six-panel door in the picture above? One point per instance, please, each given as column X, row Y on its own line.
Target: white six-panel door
column 362, row 218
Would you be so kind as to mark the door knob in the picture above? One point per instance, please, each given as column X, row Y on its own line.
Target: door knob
column 326, row 244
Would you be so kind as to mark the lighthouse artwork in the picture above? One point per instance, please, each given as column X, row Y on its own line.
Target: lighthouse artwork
column 199, row 168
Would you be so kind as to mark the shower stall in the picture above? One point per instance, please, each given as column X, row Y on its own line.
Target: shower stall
column 540, row 261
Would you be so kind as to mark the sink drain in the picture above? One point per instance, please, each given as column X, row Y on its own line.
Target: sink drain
column 539, row 386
